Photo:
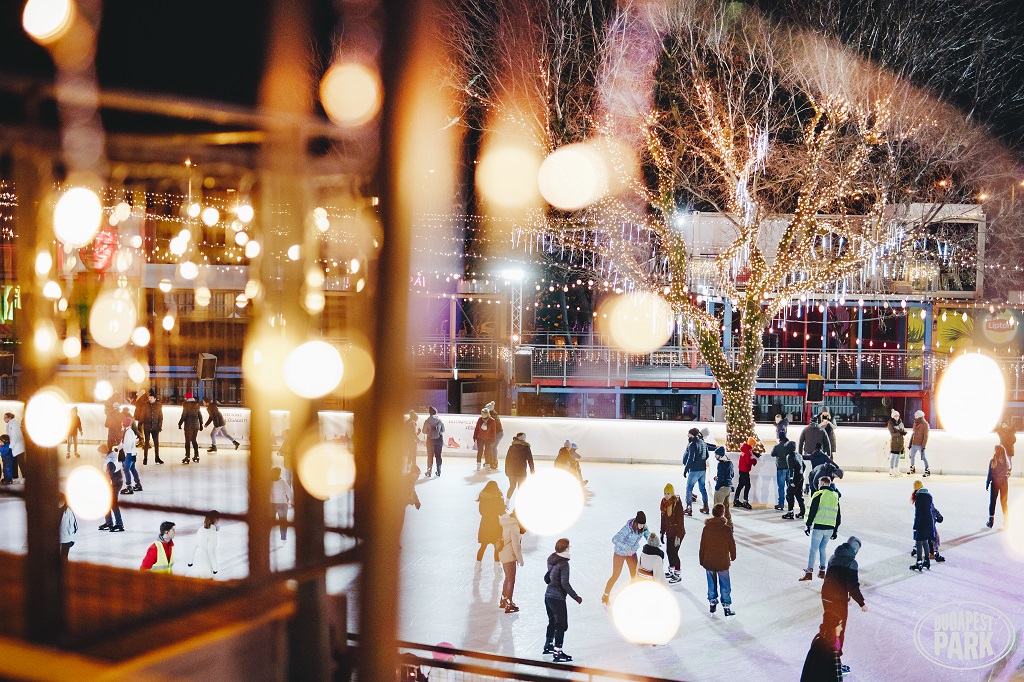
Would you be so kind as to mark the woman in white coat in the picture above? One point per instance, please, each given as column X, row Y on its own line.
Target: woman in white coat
column 652, row 560
column 510, row 555
column 204, row 559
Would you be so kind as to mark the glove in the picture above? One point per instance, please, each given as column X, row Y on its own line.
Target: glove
column 190, row 565
column 834, row 535
column 807, row 530
column 686, row 472
column 215, row 572
column 864, row 608
column 662, row 537
column 179, row 427
column 579, row 600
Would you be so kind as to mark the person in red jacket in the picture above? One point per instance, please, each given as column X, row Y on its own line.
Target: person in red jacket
column 748, row 460
column 159, row 557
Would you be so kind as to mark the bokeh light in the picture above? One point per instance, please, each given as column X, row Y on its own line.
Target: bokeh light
column 549, row 501
column 246, row 213
column 137, row 372
column 350, row 94
column 113, row 318
column 313, row 369
column 46, row 21
column 359, row 371
column 507, row 176
column 165, row 285
column 88, row 492
column 646, row 612
column 294, row 252
column 167, row 323
column 194, row 210
column 77, row 216
column 140, row 336
column 263, row 361
column 72, row 347
column 573, row 177
column 103, row 390
column 252, row 249
column 188, row 270
column 241, row 238
column 636, row 323
column 971, row 394
column 210, row 216
column 44, row 261
column 202, row 296
column 326, row 470
column 46, row 418
column 45, row 337
column 51, row 290
column 123, row 211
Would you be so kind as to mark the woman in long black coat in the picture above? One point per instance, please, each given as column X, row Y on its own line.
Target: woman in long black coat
column 925, row 533
column 492, row 507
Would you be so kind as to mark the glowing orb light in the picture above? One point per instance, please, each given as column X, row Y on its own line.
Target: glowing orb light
column 45, row 337
column 252, row 249
column 294, row 252
column 165, row 285
column 572, row 177
column 51, row 290
column 77, row 216
column 241, row 238
column 326, row 469
column 637, row 323
column 313, row 369
column 971, row 395
column 246, row 213
column 72, row 347
column 646, row 612
column 123, row 211
column 188, row 270
column 314, row 301
column 140, row 336
column 113, row 318
column 210, row 216
column 88, row 492
column 46, row 418
column 359, row 371
column 137, row 372
column 44, row 261
column 46, row 21
column 103, row 390
column 549, row 501
column 202, row 297
column 167, row 323
column 351, row 94
column 507, row 176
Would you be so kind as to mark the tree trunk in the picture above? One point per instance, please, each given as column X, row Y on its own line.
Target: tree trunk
column 738, row 395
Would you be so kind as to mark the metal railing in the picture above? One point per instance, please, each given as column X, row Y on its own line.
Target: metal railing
column 438, row 354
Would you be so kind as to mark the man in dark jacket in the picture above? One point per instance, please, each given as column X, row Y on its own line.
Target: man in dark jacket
column 842, row 583
column 192, row 421
column 925, row 533
column 215, row 417
column 717, row 551
column 559, row 587
column 518, row 458
column 723, row 481
column 795, row 491
column 822, row 465
column 812, row 438
column 782, row 471
column 695, row 468
column 141, row 408
column 152, row 425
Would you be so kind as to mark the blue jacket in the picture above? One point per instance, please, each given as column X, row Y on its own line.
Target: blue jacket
column 557, row 579
column 628, row 539
column 725, row 471
column 696, row 457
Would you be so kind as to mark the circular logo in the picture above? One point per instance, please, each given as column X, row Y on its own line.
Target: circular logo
column 1000, row 328
column 964, row 635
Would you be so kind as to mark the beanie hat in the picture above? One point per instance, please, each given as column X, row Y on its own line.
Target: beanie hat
column 705, row 432
column 669, row 489
column 918, row 485
column 746, row 449
column 894, row 414
column 641, row 518
column 432, row 410
column 919, row 414
column 720, row 452
column 566, row 444
column 653, row 541
column 188, row 395
column 573, row 446
column 444, row 655
column 854, row 543
column 751, row 442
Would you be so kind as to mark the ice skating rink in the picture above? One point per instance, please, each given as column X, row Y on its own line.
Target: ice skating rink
column 447, row 596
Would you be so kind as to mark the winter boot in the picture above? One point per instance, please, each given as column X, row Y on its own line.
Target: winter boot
column 913, row 469
column 212, row 448
column 939, row 558
column 821, row 573
column 145, row 461
column 186, row 460
column 728, row 610
column 236, row 444
column 800, row 515
column 704, row 509
column 549, row 648
column 428, row 473
column 990, row 520
column 561, row 657
column 713, row 606
column 927, row 472
column 127, row 491
column 788, row 515
column 808, row 575
column 779, row 507
column 689, row 512
column 915, row 567
column 117, row 529
column 137, row 487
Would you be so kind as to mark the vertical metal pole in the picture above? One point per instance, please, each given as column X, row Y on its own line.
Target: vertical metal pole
column 860, row 341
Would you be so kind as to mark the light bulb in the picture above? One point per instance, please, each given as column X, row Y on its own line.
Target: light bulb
column 77, row 216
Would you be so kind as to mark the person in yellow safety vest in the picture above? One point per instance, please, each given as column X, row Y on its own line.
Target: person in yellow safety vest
column 823, row 519
column 159, row 557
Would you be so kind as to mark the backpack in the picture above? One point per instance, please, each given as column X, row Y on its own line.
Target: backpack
column 432, row 428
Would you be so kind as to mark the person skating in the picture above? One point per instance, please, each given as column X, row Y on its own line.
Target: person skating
column 747, row 462
column 16, row 439
column 651, row 561
column 673, row 530
column 897, row 431
column 68, row 528
column 499, row 433
column 510, row 555
column 918, row 485
column 997, row 483
column 822, row 465
column 568, row 458
column 829, row 426
column 824, row 661
column 128, row 444
column 483, row 437
column 204, row 562
column 74, row 430
column 192, row 421
column 695, row 468
column 433, row 434
column 783, row 474
column 152, row 425
column 215, row 417
column 518, row 458
column 813, row 437
column 781, row 427
column 280, row 500
column 717, row 551
column 625, row 543
column 112, row 466
column 925, row 535
column 795, row 487
column 842, row 583
column 1007, row 437
column 557, row 579
column 160, row 555
column 823, row 519
column 723, row 481
column 491, row 506
column 918, row 443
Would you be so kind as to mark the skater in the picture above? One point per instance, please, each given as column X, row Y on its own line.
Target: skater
column 747, row 462
column 152, row 425
column 717, row 551
column 842, row 583
column 192, row 420
column 1007, row 437
column 673, row 530
column 112, row 421
column 695, row 467
column 824, row 661
column 568, row 458
column 281, row 500
column 68, row 528
column 828, row 425
column 483, row 437
column 795, row 488
column 783, row 474
column 812, row 438
column 7, row 458
column 781, row 427
column 625, row 543
column 498, row 435
column 160, row 555
column 492, row 507
column 128, row 444
column 823, row 519
column 215, row 417
column 918, row 442
column 723, row 481
column 112, row 466
column 517, row 459
column 822, row 466
column 510, row 555
column 925, row 535
column 997, row 483
column 896, row 442
column 412, row 426
column 74, row 430
column 204, row 557
column 651, row 563
column 557, row 579
column 16, row 439
column 433, row 434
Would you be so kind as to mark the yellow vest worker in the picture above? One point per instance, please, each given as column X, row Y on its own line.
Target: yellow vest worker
column 159, row 557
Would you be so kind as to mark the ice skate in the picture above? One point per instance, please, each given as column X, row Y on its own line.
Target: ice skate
column 704, row 510
column 808, row 575
column 990, row 520
column 511, row 608
column 913, row 469
column 939, row 558
column 127, row 491
column 673, row 578
column 212, row 448
column 779, row 507
column 821, row 573
column 800, row 515
column 195, row 458
column 927, row 472
column 728, row 611
column 117, row 529
column 915, row 567
column 713, row 606
column 788, row 515
column 428, row 473
column 689, row 512
column 503, row 603
column 548, row 649
column 561, row 657
column 186, row 460
column 604, row 599
column 137, row 487
column 236, row 444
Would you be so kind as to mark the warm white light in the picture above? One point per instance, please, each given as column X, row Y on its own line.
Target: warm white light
column 140, row 336
column 44, row 261
column 252, row 249
column 326, row 469
column 549, row 501
column 210, row 216
column 88, row 493
column 294, row 252
column 72, row 347
column 185, row 235
column 103, row 390
column 507, row 176
column 315, row 277
column 263, row 361
column 360, row 284
column 165, row 285
column 137, row 372
column 252, row 289
column 202, row 297
column 188, row 270
column 513, row 275
column 46, row 21
column 168, row 323
column 351, row 94
column 319, row 213
column 123, row 260
column 194, row 210
column 51, row 290
column 646, row 612
column 314, row 301
column 241, row 300
column 638, row 323
column 123, row 211
column 241, row 238
column 359, row 371
column 353, row 266
column 572, row 177
column 322, row 224
column 46, row 418
column 77, row 216
column 245, row 213
column 45, row 337
column 178, row 246
column 313, row 369
column 971, row 395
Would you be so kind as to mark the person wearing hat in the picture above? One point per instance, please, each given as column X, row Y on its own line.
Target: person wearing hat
column 783, row 474
column 926, row 535
column 842, row 583
column 695, row 468
column 192, row 420
column 781, row 427
column 673, row 529
column 824, row 661
column 625, row 543
column 517, row 459
column 152, row 425
column 748, row 460
column 723, row 481
column 651, row 562
column 568, row 458
column 483, row 438
column 918, row 442
column 112, row 421
column 829, row 426
column 897, row 431
column 433, row 434
column 498, row 434
column 716, row 554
